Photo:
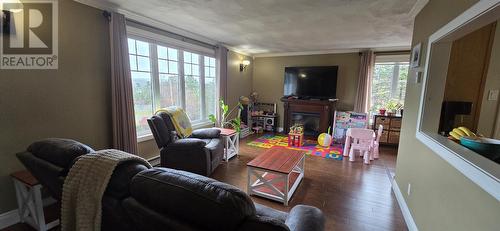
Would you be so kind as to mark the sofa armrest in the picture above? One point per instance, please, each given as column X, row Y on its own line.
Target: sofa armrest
column 187, row 143
column 206, row 133
column 187, row 154
column 303, row 217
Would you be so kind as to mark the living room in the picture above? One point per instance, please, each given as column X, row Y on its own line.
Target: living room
column 129, row 75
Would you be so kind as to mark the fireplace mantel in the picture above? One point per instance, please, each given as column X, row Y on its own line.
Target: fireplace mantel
column 325, row 108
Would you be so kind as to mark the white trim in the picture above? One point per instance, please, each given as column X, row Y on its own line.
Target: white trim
column 236, row 50
column 410, row 222
column 323, row 52
column 475, row 167
column 103, row 5
column 144, row 138
column 9, row 218
column 419, row 5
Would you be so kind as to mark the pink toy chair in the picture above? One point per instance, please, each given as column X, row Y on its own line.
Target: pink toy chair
column 360, row 139
column 377, row 142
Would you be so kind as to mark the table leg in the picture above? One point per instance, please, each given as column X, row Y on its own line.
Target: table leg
column 287, row 184
column 226, row 148
column 237, row 141
column 249, row 181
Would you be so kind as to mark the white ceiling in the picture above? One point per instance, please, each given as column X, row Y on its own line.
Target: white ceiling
column 276, row 26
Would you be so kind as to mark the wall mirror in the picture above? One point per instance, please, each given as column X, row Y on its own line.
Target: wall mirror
column 460, row 95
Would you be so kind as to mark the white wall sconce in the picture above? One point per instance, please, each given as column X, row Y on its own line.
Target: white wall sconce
column 244, row 64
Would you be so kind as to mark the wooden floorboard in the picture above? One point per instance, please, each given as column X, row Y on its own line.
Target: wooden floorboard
column 352, row 195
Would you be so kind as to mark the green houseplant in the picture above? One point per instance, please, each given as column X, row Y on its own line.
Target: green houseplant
column 224, row 122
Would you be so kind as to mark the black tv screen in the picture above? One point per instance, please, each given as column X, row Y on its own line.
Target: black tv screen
column 311, row 82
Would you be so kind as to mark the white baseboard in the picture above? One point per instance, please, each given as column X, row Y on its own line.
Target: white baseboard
column 412, row 226
column 12, row 217
column 9, row 218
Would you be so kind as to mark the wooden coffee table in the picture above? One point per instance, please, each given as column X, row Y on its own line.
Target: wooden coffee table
column 276, row 174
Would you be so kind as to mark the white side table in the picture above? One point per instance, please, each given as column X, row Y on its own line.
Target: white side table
column 29, row 200
column 231, row 140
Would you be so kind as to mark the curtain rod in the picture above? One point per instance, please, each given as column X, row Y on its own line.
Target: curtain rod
column 173, row 35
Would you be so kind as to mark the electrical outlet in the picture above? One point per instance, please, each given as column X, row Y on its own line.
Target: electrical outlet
column 409, row 189
column 493, row 95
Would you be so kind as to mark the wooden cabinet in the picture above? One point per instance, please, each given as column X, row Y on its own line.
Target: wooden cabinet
column 392, row 128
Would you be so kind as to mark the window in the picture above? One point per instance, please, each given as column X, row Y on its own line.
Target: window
column 388, row 84
column 165, row 76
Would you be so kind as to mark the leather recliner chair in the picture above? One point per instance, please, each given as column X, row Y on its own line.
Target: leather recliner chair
column 200, row 153
column 138, row 198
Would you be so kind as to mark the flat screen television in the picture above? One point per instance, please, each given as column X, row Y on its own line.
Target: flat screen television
column 311, row 82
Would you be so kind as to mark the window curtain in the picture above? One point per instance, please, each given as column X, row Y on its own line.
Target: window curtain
column 122, row 104
column 363, row 96
column 221, row 56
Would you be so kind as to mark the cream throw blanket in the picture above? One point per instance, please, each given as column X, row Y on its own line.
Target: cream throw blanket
column 84, row 187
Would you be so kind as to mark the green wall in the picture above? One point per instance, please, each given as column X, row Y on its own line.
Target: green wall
column 71, row 102
column 441, row 197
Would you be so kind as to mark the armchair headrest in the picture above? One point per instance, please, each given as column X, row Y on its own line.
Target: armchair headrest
column 160, row 129
column 60, row 152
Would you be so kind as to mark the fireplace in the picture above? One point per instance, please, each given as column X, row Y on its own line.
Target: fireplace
column 310, row 121
column 316, row 115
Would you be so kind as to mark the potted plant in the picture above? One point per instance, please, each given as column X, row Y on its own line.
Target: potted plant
column 393, row 106
column 225, row 113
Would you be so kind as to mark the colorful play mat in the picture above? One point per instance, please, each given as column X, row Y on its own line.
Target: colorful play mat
column 311, row 147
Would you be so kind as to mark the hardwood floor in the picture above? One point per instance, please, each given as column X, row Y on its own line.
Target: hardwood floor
column 352, row 195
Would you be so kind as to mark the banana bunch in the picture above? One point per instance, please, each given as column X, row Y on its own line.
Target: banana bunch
column 457, row 133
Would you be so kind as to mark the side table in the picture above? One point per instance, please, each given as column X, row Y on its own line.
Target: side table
column 29, row 201
column 231, row 142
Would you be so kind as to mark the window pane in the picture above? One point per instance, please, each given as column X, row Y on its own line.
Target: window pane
column 207, row 61
column 187, row 57
column 187, row 69
column 162, row 66
column 193, row 97
column 212, row 72
column 210, row 101
column 162, row 52
column 143, row 64
column 172, row 67
column 388, row 85
column 142, row 48
column 195, row 58
column 169, row 90
column 131, row 46
column 196, row 70
column 143, row 101
column 212, row 62
column 172, row 54
column 133, row 63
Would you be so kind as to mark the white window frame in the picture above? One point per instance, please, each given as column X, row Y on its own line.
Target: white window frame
column 396, row 61
column 154, row 40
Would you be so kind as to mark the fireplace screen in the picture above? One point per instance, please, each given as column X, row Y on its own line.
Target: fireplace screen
column 310, row 121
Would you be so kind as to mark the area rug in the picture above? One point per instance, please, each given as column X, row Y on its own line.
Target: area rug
column 311, row 147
